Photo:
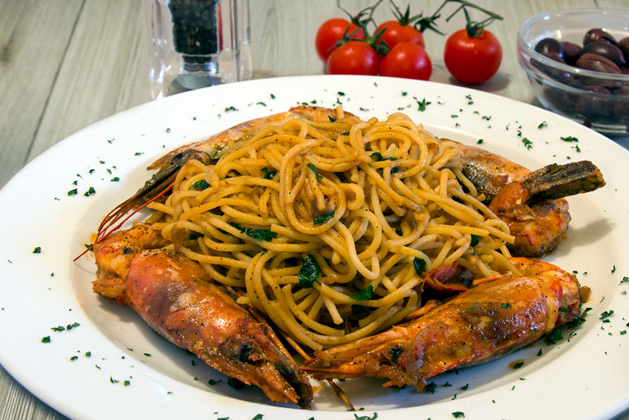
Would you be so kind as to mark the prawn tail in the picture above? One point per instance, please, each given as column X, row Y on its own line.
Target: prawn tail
column 557, row 181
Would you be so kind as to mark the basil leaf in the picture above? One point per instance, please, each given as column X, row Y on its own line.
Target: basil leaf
column 261, row 234
column 314, row 169
column 376, row 157
column 309, row 272
column 323, row 217
column 364, row 294
column 200, row 185
column 420, row 265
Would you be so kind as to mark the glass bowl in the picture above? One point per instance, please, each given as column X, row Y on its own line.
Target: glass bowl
column 595, row 99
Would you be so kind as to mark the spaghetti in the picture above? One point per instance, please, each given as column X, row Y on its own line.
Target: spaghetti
column 329, row 228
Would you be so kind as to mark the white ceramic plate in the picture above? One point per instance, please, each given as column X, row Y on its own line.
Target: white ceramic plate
column 112, row 365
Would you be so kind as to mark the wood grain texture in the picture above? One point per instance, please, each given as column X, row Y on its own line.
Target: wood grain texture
column 65, row 64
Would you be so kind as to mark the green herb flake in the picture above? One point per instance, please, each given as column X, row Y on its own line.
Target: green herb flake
column 527, row 143
column 474, row 240
column 115, row 179
column 479, row 141
column 465, row 387
column 73, row 358
column 90, row 191
column 309, row 272
column 261, row 234
column 199, row 185
column 543, row 124
column 314, row 169
column 231, row 108
column 364, row 294
column 45, row 339
column 569, row 139
column 73, row 192
column 518, row 365
column 605, row 315
column 37, row 250
column 258, row 417
column 268, row 174
column 421, row 105
column 458, row 415
column 505, row 305
column 323, row 217
column 376, row 157
column 420, row 265
column 430, row 388
column 357, row 417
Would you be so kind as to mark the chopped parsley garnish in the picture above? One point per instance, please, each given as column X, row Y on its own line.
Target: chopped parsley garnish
column 605, row 315
column 543, row 124
column 309, row 272
column 45, row 339
column 231, row 108
column 90, row 191
column 420, row 265
column 553, row 337
column 323, row 217
column 527, row 143
column 255, row 233
column 458, row 415
column 569, row 139
column 73, row 192
column 430, row 388
column 37, row 250
column 475, row 240
column 364, row 294
column 376, row 157
column 357, row 417
column 518, row 365
column 314, row 169
column 258, row 417
column 268, row 174
column 505, row 305
column 479, row 141
column 200, row 185
column 421, row 105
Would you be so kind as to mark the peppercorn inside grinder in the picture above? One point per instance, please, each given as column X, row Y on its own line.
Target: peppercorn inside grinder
column 198, row 43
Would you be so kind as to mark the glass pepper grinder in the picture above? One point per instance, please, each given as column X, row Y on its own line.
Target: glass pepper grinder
column 198, row 43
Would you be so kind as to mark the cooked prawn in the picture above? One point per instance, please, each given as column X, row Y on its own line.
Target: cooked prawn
column 176, row 297
column 484, row 323
column 534, row 208
column 531, row 203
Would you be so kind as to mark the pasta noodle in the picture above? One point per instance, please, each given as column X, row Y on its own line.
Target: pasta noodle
column 329, row 228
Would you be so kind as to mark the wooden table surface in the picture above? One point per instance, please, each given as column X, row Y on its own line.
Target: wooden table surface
column 65, row 64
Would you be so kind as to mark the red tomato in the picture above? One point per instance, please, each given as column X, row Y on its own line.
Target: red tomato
column 396, row 33
column 332, row 31
column 407, row 60
column 354, row 57
column 472, row 60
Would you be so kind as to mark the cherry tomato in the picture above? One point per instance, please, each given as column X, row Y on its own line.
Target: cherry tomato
column 332, row 31
column 472, row 60
column 407, row 60
column 354, row 57
column 395, row 33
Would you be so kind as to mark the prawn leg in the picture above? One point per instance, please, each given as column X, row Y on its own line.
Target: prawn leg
column 484, row 323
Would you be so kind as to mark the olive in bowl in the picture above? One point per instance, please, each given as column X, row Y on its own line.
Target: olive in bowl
column 577, row 64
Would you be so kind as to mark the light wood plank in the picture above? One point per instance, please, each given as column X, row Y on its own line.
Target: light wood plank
column 33, row 42
column 101, row 74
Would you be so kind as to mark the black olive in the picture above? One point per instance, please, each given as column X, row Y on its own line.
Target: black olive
column 594, row 106
column 606, row 50
column 570, row 52
column 623, row 44
column 598, row 63
column 598, row 35
column 548, row 45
